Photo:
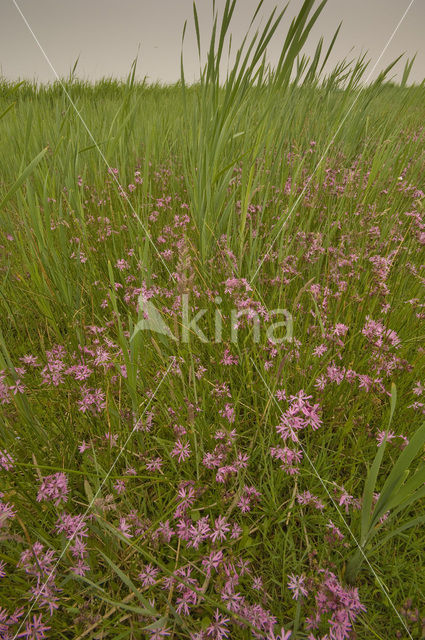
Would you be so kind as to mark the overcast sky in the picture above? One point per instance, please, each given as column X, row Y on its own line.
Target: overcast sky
column 108, row 34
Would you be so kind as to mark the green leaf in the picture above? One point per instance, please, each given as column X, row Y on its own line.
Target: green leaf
column 101, row 593
column 128, row 582
column 7, row 110
column 401, row 529
column 408, row 488
column 24, row 175
column 88, row 490
column 370, row 484
column 397, row 475
column 157, row 624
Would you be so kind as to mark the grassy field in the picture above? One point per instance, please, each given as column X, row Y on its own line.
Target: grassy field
column 212, row 367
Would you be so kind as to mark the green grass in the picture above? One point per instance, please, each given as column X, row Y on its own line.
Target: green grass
column 344, row 214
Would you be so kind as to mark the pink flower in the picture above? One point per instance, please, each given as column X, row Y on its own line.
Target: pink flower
column 320, row 350
column 83, row 446
column 81, row 568
column 34, row 629
column 119, row 486
column 124, row 527
column 228, row 412
column 122, row 264
column 418, row 389
column 155, row 464
column 181, row 451
column 390, row 435
column 297, row 586
column 148, row 575
column 71, row 526
column 18, row 387
column 54, row 488
column 6, row 460
column 221, row 528
column 212, row 561
column 218, row 629
column 7, row 512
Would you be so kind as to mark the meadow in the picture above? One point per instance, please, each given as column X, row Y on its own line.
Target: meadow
column 212, row 367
